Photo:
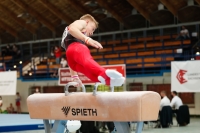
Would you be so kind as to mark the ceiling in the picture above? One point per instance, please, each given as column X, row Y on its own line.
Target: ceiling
column 24, row 20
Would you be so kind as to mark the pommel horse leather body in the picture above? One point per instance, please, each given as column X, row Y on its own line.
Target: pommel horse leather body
column 109, row 106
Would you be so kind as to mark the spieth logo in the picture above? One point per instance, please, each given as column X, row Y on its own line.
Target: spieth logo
column 180, row 77
column 79, row 111
column 66, row 110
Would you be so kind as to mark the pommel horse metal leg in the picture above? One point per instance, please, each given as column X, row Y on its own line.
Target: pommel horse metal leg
column 47, row 126
column 123, row 127
column 139, row 127
column 58, row 126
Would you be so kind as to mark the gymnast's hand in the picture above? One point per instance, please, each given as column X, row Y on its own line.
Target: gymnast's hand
column 76, row 79
column 95, row 44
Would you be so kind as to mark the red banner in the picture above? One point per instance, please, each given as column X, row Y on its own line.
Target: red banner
column 65, row 77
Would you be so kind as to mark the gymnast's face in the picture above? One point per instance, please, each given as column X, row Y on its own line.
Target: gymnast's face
column 90, row 28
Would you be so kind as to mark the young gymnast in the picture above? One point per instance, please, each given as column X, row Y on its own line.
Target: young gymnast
column 75, row 40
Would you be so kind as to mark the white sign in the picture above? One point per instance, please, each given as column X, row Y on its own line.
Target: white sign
column 185, row 76
column 8, row 83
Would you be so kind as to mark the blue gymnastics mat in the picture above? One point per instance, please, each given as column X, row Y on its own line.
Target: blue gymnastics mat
column 19, row 122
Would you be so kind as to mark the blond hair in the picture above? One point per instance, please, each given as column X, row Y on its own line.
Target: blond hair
column 88, row 16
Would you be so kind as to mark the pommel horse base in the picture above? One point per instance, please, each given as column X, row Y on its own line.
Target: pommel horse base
column 119, row 107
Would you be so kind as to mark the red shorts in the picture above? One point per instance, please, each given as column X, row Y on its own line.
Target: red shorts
column 80, row 60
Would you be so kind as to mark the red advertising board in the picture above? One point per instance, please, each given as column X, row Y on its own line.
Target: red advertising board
column 65, row 77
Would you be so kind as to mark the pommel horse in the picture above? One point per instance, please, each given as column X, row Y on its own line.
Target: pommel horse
column 119, row 107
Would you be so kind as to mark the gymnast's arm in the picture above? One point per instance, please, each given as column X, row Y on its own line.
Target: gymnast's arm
column 72, row 72
column 76, row 28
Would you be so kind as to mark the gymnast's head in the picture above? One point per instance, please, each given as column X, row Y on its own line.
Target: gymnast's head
column 92, row 24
